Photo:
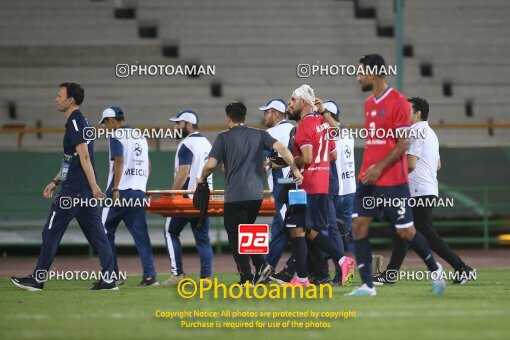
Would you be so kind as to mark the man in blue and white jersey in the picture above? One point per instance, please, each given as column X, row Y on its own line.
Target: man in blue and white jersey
column 127, row 181
column 190, row 158
column 279, row 128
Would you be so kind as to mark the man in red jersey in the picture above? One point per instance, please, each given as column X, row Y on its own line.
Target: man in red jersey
column 383, row 179
column 312, row 154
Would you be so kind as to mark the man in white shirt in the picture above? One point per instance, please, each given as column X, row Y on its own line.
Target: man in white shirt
column 423, row 162
column 279, row 128
column 343, row 189
column 190, row 158
column 127, row 180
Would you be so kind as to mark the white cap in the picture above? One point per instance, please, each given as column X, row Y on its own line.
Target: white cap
column 331, row 106
column 112, row 112
column 187, row 116
column 277, row 104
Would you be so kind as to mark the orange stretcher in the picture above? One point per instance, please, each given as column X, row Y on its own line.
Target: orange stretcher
column 172, row 203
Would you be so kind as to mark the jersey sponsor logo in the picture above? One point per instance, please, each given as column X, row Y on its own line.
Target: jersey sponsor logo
column 348, row 174
column 135, row 172
column 253, row 239
column 322, row 127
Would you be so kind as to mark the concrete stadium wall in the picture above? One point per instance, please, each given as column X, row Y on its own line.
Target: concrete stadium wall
column 24, row 174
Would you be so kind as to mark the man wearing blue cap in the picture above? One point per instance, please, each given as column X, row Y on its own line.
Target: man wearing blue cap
column 192, row 153
column 279, row 128
column 127, row 181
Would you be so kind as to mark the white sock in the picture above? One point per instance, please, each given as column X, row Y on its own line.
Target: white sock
column 342, row 260
column 364, row 286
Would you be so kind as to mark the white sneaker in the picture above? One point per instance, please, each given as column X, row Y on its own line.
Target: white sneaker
column 438, row 281
column 364, row 290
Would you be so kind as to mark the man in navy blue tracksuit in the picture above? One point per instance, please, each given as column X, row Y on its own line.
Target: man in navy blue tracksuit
column 79, row 186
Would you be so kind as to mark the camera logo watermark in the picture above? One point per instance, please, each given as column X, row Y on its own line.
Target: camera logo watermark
column 336, row 133
column 91, row 133
column 311, row 70
column 43, row 275
column 370, row 202
column 392, row 275
column 139, row 70
column 66, row 202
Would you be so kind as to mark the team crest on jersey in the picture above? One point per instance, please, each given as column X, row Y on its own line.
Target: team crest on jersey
column 347, row 152
column 383, row 112
column 138, row 149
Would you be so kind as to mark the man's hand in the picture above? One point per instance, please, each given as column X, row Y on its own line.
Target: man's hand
column 266, row 166
column 319, row 104
column 49, row 190
column 371, row 175
column 298, row 176
column 96, row 192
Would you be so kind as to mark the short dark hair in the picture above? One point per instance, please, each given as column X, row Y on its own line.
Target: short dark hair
column 374, row 61
column 236, row 111
column 74, row 91
column 420, row 104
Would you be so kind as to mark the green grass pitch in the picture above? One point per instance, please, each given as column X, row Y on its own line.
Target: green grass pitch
column 66, row 310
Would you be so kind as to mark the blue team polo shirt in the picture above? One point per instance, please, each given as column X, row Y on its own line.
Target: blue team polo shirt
column 76, row 179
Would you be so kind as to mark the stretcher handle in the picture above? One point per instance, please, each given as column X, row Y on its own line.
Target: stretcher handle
column 182, row 192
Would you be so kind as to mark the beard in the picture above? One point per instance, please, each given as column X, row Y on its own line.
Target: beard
column 296, row 115
column 184, row 132
column 269, row 123
column 366, row 87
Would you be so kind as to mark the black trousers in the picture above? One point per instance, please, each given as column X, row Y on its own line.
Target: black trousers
column 242, row 212
column 423, row 221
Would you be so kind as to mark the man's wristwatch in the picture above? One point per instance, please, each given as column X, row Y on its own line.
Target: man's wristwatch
column 56, row 182
column 115, row 189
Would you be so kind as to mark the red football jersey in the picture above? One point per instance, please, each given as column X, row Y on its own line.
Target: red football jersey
column 312, row 131
column 385, row 115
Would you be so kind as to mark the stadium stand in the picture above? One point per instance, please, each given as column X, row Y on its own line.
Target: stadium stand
column 255, row 47
column 459, row 64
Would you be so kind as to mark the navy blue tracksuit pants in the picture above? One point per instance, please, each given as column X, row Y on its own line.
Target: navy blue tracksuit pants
column 134, row 219
column 63, row 211
column 279, row 235
column 173, row 229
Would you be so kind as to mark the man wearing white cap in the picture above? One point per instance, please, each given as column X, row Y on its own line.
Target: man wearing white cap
column 342, row 185
column 192, row 153
column 127, row 181
column 279, row 128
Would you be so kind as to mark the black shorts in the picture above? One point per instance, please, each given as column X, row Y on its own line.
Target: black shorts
column 314, row 216
column 391, row 202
